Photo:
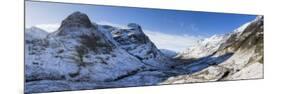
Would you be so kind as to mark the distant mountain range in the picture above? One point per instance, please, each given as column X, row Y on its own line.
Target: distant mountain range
column 85, row 55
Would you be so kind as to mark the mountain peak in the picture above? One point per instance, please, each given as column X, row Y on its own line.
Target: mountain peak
column 74, row 24
column 136, row 28
column 34, row 28
column 77, row 19
column 35, row 33
column 133, row 25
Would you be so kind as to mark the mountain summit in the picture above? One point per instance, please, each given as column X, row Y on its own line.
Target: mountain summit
column 77, row 19
column 74, row 21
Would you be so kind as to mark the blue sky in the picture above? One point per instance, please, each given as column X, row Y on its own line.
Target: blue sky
column 181, row 25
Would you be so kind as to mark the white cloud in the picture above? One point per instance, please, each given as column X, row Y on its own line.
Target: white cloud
column 171, row 41
column 48, row 27
column 161, row 40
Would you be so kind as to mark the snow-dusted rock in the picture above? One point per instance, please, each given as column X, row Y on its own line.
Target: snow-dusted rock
column 78, row 51
column 138, row 44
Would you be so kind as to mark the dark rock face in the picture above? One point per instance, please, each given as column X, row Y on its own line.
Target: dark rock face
column 131, row 38
column 75, row 20
column 134, row 35
column 138, row 36
column 78, row 27
column 96, row 43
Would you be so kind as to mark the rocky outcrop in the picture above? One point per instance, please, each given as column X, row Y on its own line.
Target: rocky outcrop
column 139, row 45
column 75, row 20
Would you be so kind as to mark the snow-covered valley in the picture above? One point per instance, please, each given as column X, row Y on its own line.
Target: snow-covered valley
column 84, row 55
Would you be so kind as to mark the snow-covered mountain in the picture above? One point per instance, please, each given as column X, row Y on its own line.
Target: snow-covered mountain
column 35, row 33
column 203, row 47
column 208, row 46
column 80, row 50
column 139, row 45
column 238, row 55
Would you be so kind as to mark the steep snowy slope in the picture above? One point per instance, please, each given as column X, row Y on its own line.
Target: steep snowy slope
column 203, row 48
column 210, row 45
column 247, row 46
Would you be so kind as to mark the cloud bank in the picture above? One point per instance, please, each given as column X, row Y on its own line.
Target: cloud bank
column 171, row 41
